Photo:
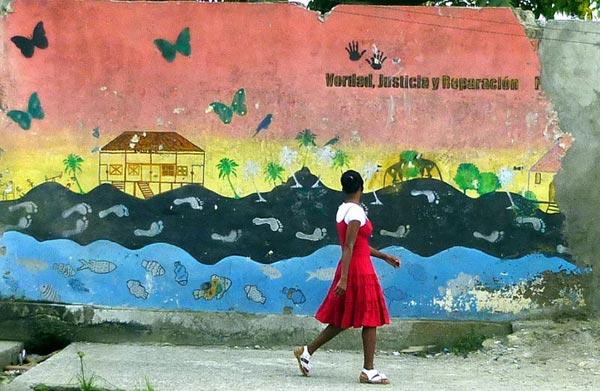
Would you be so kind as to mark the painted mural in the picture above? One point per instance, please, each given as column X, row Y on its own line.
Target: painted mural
column 188, row 157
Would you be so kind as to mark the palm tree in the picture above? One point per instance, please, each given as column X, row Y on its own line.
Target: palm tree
column 287, row 157
column 274, row 172
column 306, row 139
column 227, row 167
column 72, row 164
column 505, row 177
column 369, row 171
column 340, row 160
column 251, row 170
column 324, row 158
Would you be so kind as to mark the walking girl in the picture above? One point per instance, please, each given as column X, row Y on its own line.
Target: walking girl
column 355, row 298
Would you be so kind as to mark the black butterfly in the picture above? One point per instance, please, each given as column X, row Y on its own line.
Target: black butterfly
column 28, row 45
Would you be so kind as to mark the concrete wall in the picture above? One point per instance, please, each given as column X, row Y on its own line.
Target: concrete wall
column 570, row 55
column 439, row 109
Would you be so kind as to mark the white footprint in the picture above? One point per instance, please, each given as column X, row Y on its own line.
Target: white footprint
column 28, row 206
column 318, row 234
column 537, row 223
column 194, row 202
column 432, row 196
column 155, row 229
column 82, row 209
column 493, row 237
column 80, row 225
column 118, row 210
column 401, row 232
column 24, row 222
column 233, row 236
column 273, row 223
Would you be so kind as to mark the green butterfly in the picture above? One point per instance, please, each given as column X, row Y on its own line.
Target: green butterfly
column 34, row 110
column 225, row 112
column 182, row 45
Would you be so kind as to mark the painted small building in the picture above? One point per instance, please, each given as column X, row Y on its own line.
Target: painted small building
column 147, row 163
column 541, row 177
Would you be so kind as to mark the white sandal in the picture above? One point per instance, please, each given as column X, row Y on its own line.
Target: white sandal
column 303, row 357
column 372, row 376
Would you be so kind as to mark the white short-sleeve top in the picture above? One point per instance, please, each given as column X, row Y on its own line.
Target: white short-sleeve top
column 350, row 211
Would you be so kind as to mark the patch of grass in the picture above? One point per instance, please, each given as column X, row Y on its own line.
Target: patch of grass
column 88, row 382
column 468, row 343
column 148, row 386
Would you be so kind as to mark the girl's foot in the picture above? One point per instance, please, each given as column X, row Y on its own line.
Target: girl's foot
column 372, row 376
column 303, row 357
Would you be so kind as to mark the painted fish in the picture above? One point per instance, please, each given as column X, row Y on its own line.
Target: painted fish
column 271, row 272
column 33, row 265
column 213, row 289
column 295, row 295
column 253, row 294
column 97, row 266
column 137, row 289
column 394, row 293
column 322, row 274
column 49, row 293
column 65, row 269
column 153, row 267
column 77, row 285
column 181, row 274
column 416, row 271
column 11, row 282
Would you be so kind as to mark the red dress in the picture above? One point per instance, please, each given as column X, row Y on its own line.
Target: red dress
column 363, row 304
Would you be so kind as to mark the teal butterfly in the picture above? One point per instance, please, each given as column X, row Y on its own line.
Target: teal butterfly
column 225, row 112
column 34, row 110
column 181, row 45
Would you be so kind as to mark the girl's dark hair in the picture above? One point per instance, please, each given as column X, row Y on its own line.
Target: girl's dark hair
column 351, row 182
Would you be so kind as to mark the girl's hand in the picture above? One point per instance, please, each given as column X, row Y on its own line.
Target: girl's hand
column 392, row 260
column 341, row 286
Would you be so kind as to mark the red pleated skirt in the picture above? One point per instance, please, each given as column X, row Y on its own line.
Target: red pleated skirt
column 363, row 304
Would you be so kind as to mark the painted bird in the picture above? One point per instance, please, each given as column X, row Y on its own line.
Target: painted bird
column 264, row 124
column 333, row 141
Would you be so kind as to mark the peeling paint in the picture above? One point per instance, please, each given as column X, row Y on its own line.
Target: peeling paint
column 466, row 293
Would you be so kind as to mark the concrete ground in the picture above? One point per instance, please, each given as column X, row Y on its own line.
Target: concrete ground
column 541, row 355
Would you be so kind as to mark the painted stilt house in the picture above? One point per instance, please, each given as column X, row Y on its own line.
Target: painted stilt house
column 541, row 177
column 147, row 163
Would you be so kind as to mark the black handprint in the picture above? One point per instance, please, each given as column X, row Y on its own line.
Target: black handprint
column 353, row 53
column 376, row 62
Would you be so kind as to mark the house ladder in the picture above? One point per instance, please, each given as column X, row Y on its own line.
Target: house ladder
column 145, row 189
column 552, row 208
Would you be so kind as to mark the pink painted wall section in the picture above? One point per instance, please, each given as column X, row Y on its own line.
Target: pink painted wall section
column 280, row 54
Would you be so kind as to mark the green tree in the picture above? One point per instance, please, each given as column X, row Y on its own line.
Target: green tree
column 488, row 183
column 72, row 164
column 409, row 168
column 307, row 140
column 274, row 172
column 547, row 8
column 467, row 177
column 227, row 167
column 340, row 160
column 528, row 194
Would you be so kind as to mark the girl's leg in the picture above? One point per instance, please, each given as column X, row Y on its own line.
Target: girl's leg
column 325, row 336
column 369, row 337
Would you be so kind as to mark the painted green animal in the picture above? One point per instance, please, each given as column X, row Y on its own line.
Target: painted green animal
column 426, row 166
column 408, row 166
